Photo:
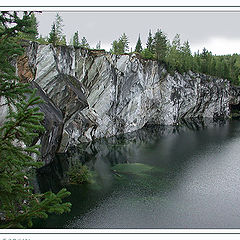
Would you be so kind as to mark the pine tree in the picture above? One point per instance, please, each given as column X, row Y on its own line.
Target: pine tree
column 63, row 40
column 174, row 56
column 120, row 46
column 124, row 42
column 76, row 42
column 56, row 36
column 59, row 26
column 19, row 205
column 84, row 43
column 160, row 45
column 138, row 47
column 53, row 38
column 116, row 48
column 32, row 29
column 150, row 42
column 187, row 56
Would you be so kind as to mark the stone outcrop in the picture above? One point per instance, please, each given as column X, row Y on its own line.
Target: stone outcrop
column 96, row 94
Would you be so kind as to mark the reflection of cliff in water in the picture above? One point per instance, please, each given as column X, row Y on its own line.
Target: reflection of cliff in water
column 101, row 154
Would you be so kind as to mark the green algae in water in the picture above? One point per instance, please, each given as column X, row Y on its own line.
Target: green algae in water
column 139, row 169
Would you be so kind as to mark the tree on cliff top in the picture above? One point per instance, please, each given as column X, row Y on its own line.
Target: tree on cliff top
column 53, row 35
column 120, row 46
column 19, row 205
column 150, row 42
column 160, row 45
column 84, row 43
column 138, row 47
column 32, row 29
column 56, row 36
column 75, row 40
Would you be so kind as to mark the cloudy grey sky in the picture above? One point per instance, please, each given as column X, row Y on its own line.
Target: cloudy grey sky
column 219, row 32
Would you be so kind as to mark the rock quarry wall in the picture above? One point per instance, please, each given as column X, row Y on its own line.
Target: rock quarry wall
column 94, row 94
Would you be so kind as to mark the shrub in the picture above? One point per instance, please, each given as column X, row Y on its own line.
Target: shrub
column 79, row 174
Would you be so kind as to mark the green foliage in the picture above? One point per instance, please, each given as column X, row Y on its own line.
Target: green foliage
column 42, row 40
column 124, row 40
column 53, row 35
column 32, row 29
column 79, row 174
column 160, row 45
column 150, row 42
column 84, row 43
column 138, row 47
column 76, row 42
column 120, row 46
column 19, row 205
column 56, row 36
column 117, row 47
column 146, row 54
column 63, row 41
column 131, row 168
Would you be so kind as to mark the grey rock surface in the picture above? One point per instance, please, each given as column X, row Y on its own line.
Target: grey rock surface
column 102, row 95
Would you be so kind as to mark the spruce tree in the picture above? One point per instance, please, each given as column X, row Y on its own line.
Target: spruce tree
column 19, row 205
column 150, row 42
column 138, row 47
column 123, row 41
column 32, row 29
column 59, row 26
column 53, row 38
column 76, row 42
column 174, row 56
column 84, row 43
column 160, row 45
column 116, row 48
column 120, row 46
column 56, row 36
column 187, row 56
column 63, row 40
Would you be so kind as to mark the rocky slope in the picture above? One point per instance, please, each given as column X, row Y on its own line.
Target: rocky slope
column 95, row 94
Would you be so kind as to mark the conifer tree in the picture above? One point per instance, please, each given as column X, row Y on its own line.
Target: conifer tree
column 42, row 40
column 187, row 56
column 63, row 40
column 116, row 48
column 19, row 205
column 56, row 36
column 123, row 41
column 160, row 45
column 84, row 43
column 32, row 29
column 138, row 47
column 120, row 46
column 59, row 26
column 53, row 38
column 76, row 42
column 174, row 56
column 150, row 42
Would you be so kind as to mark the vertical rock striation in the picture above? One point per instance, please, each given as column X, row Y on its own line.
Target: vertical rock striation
column 96, row 94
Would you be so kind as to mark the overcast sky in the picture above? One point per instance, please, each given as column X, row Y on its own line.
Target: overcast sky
column 219, row 32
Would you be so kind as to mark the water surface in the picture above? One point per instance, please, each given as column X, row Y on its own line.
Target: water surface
column 194, row 181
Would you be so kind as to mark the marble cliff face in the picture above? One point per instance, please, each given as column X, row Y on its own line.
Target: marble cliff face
column 92, row 94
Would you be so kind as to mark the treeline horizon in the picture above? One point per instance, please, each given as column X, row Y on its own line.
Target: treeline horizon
column 176, row 56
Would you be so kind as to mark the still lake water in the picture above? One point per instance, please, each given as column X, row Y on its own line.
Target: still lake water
column 194, row 181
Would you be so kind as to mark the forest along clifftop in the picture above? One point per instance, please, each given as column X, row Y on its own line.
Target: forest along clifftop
column 91, row 94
